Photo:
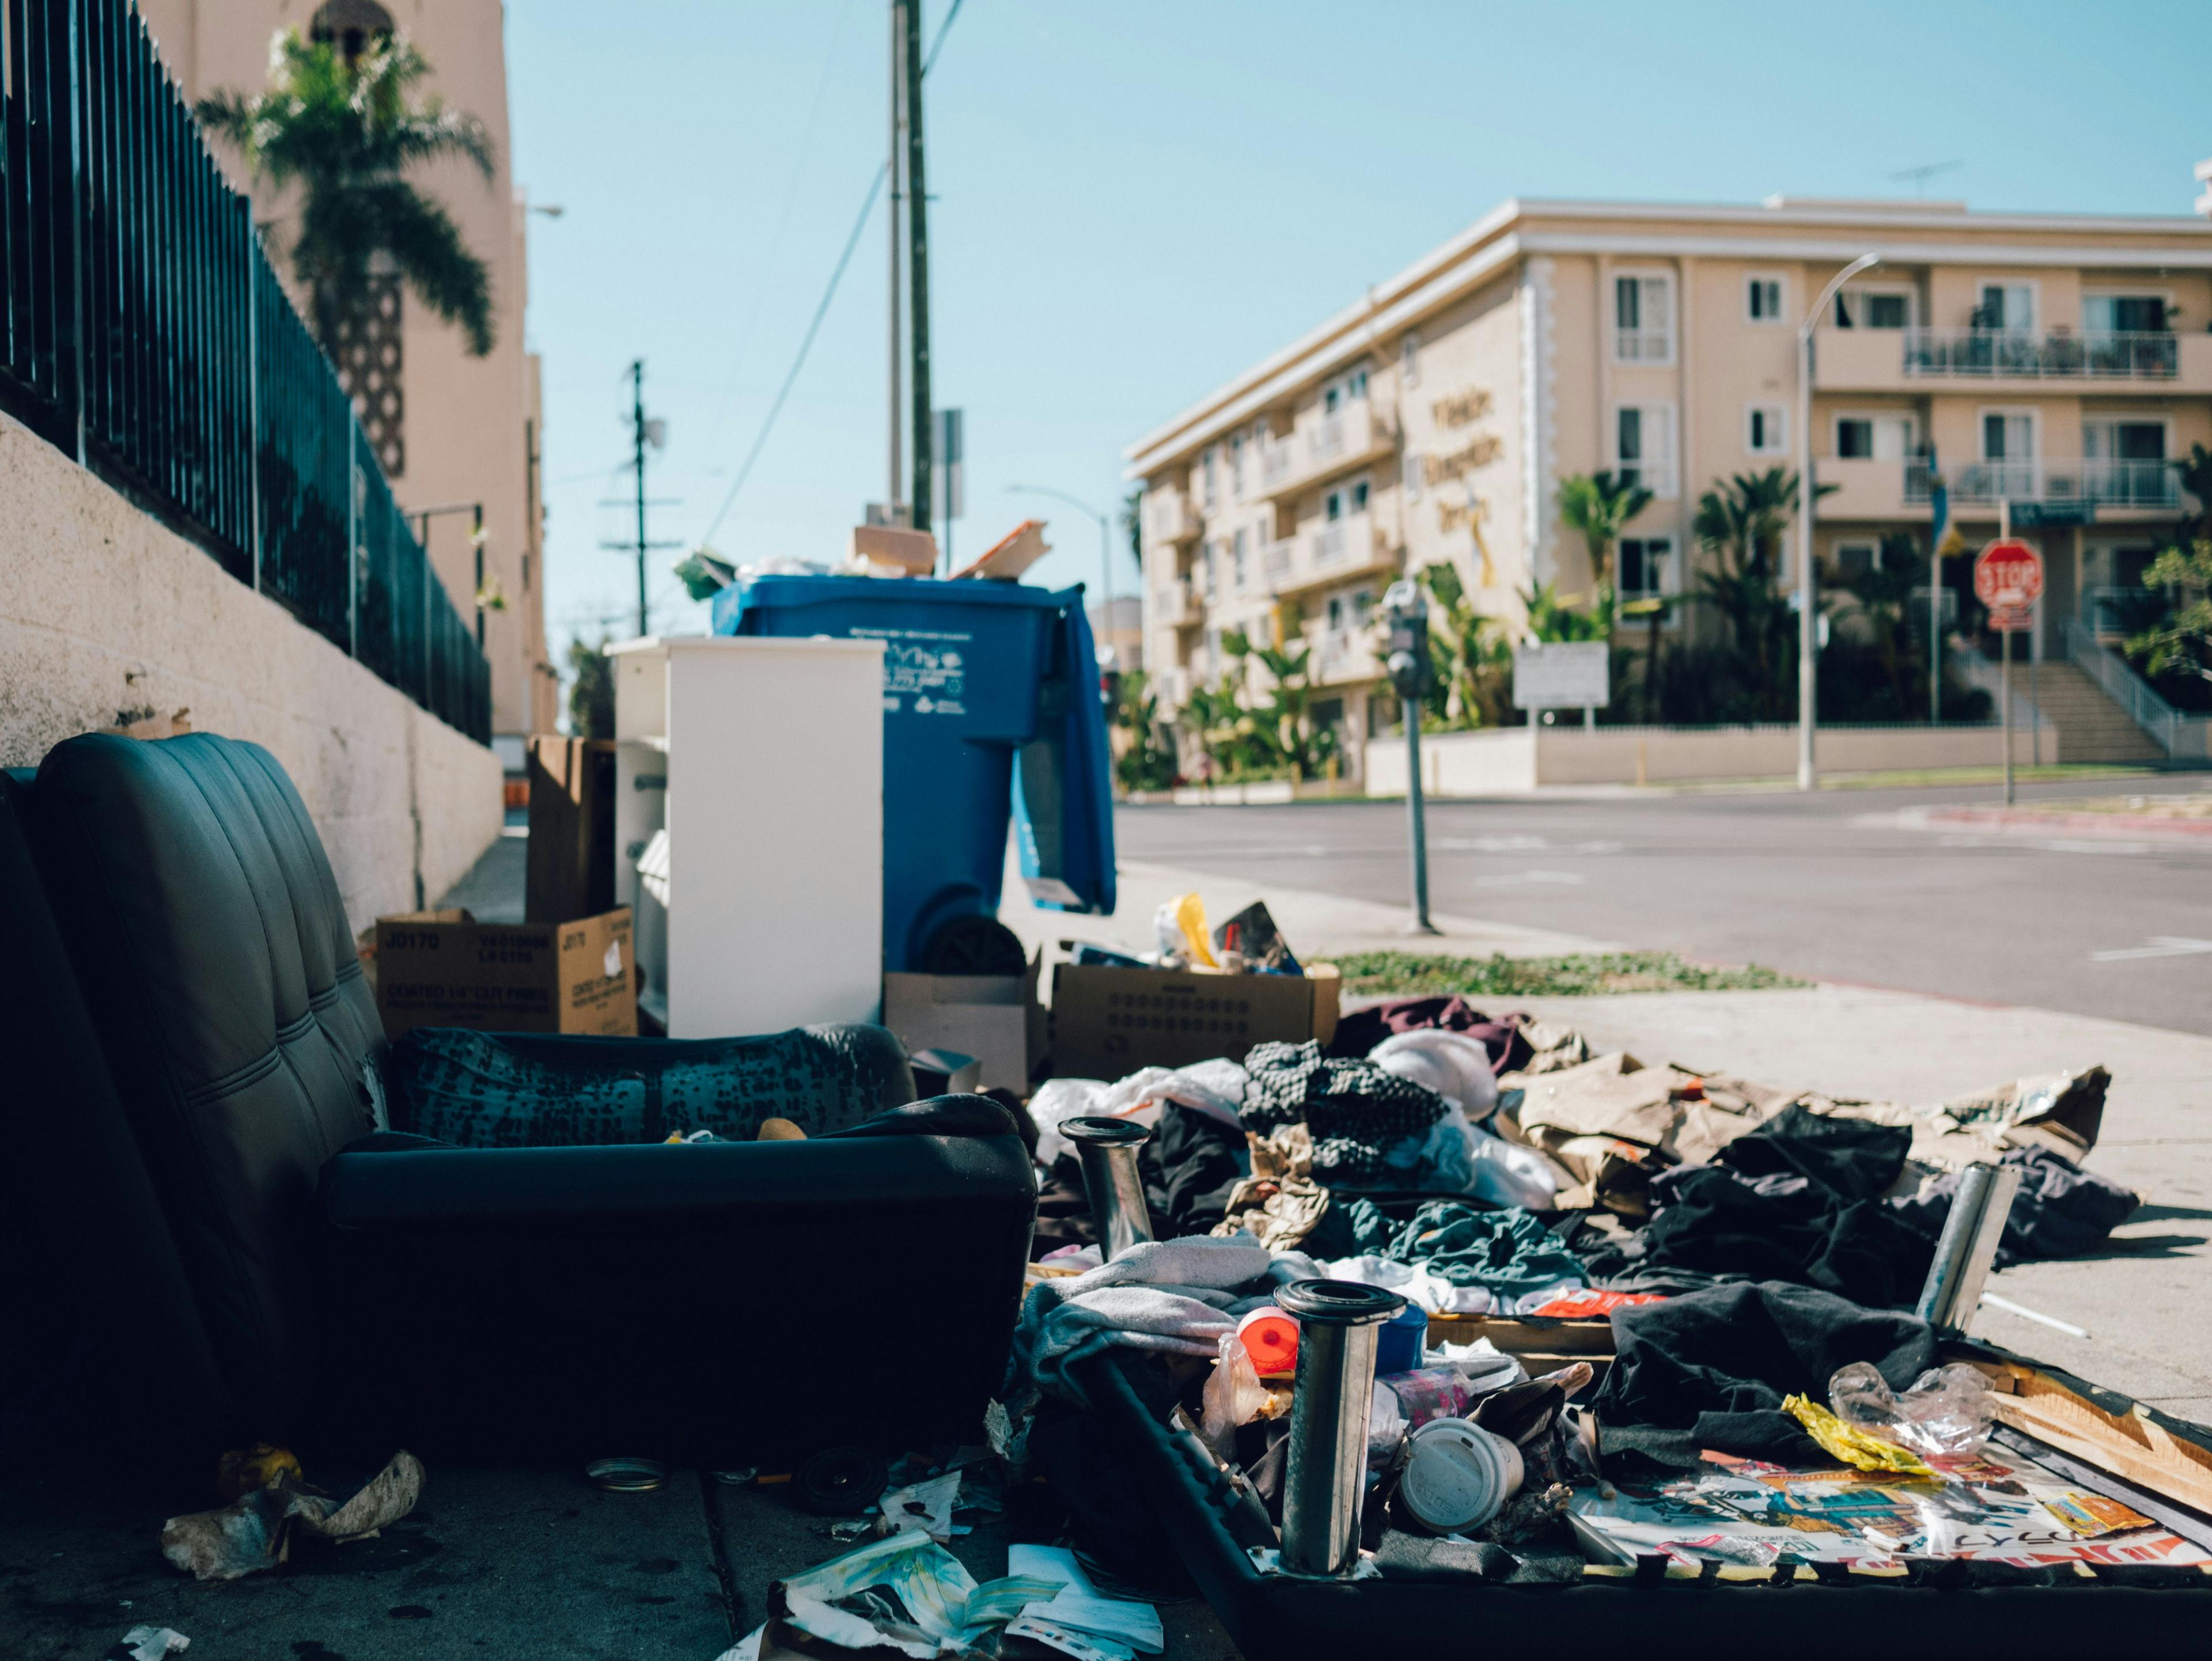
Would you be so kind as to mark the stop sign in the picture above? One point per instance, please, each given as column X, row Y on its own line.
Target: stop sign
column 2007, row 573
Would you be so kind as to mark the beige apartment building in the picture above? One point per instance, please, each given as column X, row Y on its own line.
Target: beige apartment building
column 2057, row 362
column 452, row 430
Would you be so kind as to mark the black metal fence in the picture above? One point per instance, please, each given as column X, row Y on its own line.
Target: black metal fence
column 143, row 330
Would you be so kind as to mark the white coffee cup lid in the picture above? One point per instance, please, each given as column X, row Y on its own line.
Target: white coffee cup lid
column 1458, row 1475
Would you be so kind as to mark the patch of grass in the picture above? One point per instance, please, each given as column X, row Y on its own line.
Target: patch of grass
column 1582, row 975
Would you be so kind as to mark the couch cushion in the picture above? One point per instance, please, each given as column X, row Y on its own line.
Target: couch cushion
column 526, row 1090
column 208, row 934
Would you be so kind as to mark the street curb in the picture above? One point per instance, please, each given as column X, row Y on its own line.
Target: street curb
column 2124, row 827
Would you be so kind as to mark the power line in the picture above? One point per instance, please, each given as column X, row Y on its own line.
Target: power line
column 828, row 294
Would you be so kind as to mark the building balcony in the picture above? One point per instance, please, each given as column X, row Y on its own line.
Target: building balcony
column 1323, row 445
column 2145, row 486
column 1917, row 360
column 1328, row 553
column 1169, row 516
column 1173, row 605
column 1343, row 657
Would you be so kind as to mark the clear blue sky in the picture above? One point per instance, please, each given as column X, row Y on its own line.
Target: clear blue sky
column 1133, row 201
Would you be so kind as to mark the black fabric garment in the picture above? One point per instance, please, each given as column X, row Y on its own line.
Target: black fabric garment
column 2061, row 1210
column 1359, row 1032
column 1355, row 1110
column 1795, row 1200
column 1710, row 1369
column 1188, row 1167
column 1109, row 1517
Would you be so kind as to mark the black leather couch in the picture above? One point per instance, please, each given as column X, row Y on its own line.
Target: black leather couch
column 234, row 1248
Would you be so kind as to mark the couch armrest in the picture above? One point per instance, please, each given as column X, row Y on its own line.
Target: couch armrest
column 724, row 1302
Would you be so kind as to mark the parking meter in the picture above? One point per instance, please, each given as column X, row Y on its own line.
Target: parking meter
column 1406, row 609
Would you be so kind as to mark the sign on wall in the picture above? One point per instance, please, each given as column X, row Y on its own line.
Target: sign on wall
column 1563, row 674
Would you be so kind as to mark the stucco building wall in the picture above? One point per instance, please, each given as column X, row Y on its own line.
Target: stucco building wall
column 105, row 614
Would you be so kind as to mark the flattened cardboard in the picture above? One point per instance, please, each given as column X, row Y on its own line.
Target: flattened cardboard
column 445, row 969
column 1107, row 1022
column 989, row 1016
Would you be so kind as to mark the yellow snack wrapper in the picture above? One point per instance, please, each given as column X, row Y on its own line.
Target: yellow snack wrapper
column 1854, row 1447
column 1190, row 917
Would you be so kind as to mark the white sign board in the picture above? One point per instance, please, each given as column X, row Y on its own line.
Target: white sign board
column 1562, row 675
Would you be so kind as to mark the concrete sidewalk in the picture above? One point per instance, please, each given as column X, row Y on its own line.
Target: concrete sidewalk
column 2140, row 1298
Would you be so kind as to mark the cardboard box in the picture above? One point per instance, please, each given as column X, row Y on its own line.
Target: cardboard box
column 445, row 969
column 1108, row 1022
column 571, row 795
column 992, row 1017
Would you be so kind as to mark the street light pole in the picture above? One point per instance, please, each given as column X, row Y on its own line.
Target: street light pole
column 1809, row 608
column 1105, row 544
column 1408, row 667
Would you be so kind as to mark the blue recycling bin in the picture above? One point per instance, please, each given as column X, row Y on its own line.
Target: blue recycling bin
column 991, row 708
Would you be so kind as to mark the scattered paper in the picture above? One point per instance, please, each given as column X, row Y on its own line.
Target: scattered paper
column 1068, row 1641
column 1116, row 1618
column 1053, row 1563
column 995, row 1601
column 904, row 1590
column 255, row 1532
column 924, row 1506
column 152, row 1643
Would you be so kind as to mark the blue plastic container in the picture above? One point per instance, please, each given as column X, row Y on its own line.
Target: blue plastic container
column 991, row 707
column 1399, row 1346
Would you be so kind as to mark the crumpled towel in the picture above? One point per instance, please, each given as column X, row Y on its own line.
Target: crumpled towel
column 1159, row 1295
column 256, row 1532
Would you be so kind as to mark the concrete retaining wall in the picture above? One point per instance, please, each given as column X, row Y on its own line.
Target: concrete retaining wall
column 107, row 614
column 1521, row 758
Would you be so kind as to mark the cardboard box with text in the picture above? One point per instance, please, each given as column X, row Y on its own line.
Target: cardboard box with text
column 445, row 969
column 1107, row 1022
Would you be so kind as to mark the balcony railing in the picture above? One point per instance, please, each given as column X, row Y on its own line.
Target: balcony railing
column 1275, row 461
column 2097, row 355
column 1172, row 603
column 1341, row 654
column 1276, row 559
column 2148, row 484
column 1170, row 518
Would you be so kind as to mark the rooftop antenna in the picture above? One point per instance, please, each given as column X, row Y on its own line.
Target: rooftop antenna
column 1926, row 171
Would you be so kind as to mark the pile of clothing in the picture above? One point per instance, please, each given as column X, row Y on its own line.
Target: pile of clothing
column 1478, row 1164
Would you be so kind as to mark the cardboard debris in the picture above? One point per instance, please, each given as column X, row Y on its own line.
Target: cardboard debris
column 443, row 968
column 909, row 553
column 1005, row 559
column 256, row 1531
column 1108, row 1021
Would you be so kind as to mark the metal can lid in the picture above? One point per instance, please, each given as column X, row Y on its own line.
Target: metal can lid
column 1458, row 1475
column 1105, row 1130
column 629, row 1476
column 1339, row 1303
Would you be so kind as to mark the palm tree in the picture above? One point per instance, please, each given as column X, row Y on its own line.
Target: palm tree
column 1743, row 524
column 1473, row 660
column 347, row 132
column 1601, row 506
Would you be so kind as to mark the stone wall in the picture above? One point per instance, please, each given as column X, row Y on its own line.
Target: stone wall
column 106, row 614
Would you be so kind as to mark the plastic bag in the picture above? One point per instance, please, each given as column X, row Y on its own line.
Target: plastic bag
column 1234, row 1395
column 1507, row 1173
column 1949, row 1410
column 1454, row 1065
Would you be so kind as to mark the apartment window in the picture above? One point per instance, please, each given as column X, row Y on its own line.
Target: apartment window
column 1409, row 478
column 1362, row 602
column 1345, row 500
column 1205, row 566
column 1214, row 659
column 1336, row 614
column 1409, row 360
column 1237, row 465
column 1205, row 472
column 1874, row 308
column 1874, row 437
column 1344, row 390
column 1764, row 433
column 1643, row 319
column 1237, row 558
column 1762, row 298
column 2008, row 435
column 1855, row 560
column 2124, row 314
column 1644, row 447
column 1642, row 566
column 2123, row 441
column 2006, row 306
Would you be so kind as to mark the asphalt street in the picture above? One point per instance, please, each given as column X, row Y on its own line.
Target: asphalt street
column 1837, row 886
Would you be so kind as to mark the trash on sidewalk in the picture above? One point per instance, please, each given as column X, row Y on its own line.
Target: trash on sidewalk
column 152, row 1643
column 256, row 1531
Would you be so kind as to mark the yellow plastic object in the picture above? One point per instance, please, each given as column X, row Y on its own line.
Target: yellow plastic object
column 245, row 1470
column 1854, row 1447
column 1190, row 917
